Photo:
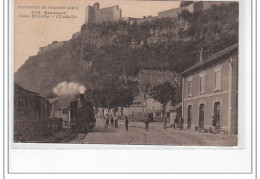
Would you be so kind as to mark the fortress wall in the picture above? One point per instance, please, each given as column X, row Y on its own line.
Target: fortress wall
column 169, row 13
column 108, row 14
column 117, row 14
column 90, row 15
column 105, row 14
column 139, row 21
column 175, row 12
column 50, row 47
column 194, row 7
column 207, row 4
column 190, row 8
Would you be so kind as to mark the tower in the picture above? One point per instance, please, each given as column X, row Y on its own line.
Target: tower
column 90, row 15
column 96, row 6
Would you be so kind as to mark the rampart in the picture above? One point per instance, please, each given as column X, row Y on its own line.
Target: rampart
column 51, row 46
column 193, row 7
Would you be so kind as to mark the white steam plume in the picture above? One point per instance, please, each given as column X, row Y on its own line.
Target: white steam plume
column 68, row 89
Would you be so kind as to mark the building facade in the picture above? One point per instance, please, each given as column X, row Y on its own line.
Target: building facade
column 96, row 15
column 210, row 91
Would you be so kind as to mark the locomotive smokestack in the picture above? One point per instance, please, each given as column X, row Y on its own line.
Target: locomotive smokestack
column 81, row 96
column 81, row 100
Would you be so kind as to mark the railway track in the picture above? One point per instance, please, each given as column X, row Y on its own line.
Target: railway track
column 68, row 139
column 145, row 134
column 75, row 139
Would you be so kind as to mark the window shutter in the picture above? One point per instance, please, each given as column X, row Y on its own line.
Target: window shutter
column 218, row 80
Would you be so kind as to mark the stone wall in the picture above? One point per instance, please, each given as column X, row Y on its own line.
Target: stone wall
column 50, row 47
column 175, row 12
column 96, row 15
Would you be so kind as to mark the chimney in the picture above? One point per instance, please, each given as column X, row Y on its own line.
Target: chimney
column 81, row 100
column 201, row 51
column 81, row 96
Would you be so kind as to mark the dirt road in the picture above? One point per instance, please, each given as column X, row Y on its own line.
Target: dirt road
column 156, row 135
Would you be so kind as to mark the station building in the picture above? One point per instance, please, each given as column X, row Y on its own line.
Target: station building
column 210, row 91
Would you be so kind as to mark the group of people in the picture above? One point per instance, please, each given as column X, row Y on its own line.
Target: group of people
column 114, row 121
column 178, row 123
column 146, row 122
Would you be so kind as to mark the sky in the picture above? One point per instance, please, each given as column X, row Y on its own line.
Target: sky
column 32, row 33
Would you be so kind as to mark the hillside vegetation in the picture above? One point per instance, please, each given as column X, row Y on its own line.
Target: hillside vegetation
column 119, row 48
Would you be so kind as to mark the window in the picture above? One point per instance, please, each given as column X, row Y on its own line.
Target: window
column 217, row 80
column 189, row 88
column 217, row 113
column 189, row 117
column 201, row 116
column 202, row 84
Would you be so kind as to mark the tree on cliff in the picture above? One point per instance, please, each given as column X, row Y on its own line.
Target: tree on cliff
column 164, row 93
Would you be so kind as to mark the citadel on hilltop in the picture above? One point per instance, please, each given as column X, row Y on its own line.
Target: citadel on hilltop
column 95, row 15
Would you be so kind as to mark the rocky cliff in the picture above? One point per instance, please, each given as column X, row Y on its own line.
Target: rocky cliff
column 104, row 52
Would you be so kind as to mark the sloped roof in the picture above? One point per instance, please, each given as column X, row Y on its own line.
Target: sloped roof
column 53, row 100
column 211, row 59
column 177, row 106
column 17, row 86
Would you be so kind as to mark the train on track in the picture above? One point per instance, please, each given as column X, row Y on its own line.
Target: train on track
column 32, row 115
column 81, row 114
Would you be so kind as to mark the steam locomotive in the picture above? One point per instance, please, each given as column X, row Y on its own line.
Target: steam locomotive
column 81, row 113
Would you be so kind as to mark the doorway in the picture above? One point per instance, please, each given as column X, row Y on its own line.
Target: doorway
column 217, row 113
column 189, row 117
column 201, row 116
column 150, row 116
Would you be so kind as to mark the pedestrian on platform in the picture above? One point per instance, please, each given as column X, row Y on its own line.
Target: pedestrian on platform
column 165, row 123
column 181, row 123
column 116, row 121
column 176, row 123
column 106, row 120
column 214, row 123
column 146, row 122
column 126, row 122
column 111, row 120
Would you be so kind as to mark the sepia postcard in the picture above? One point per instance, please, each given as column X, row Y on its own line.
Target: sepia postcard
column 126, row 72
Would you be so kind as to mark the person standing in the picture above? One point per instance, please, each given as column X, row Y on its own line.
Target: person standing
column 106, row 121
column 213, row 129
column 181, row 123
column 126, row 122
column 146, row 122
column 165, row 123
column 111, row 120
column 116, row 122
column 176, row 123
